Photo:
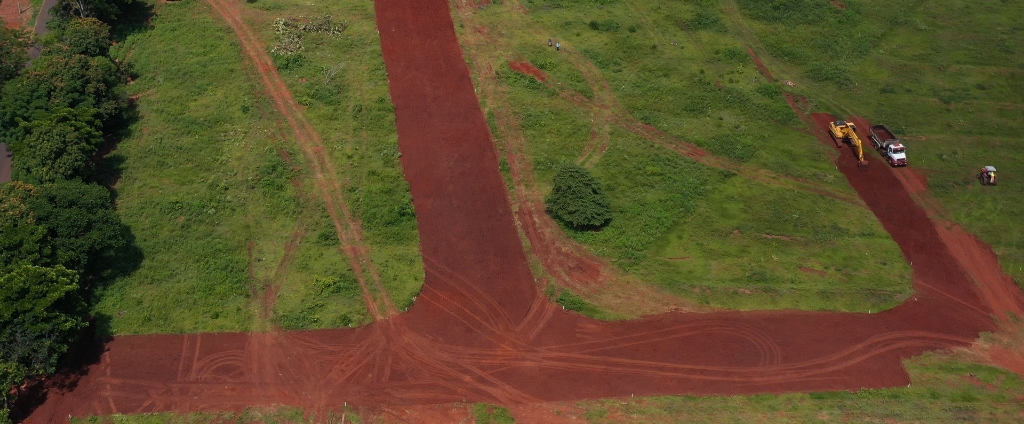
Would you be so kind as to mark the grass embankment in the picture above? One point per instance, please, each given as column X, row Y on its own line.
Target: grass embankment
column 946, row 76
column 704, row 234
column 215, row 190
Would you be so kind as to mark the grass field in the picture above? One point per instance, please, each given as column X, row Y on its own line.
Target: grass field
column 947, row 76
column 215, row 190
column 702, row 233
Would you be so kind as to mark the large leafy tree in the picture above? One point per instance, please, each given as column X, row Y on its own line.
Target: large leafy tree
column 13, row 52
column 105, row 10
column 577, row 199
column 58, row 147
column 61, row 80
column 82, row 227
column 41, row 311
column 22, row 239
column 87, row 36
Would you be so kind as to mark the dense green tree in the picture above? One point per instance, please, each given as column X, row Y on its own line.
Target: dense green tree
column 61, row 80
column 22, row 240
column 86, row 36
column 58, row 147
column 83, row 230
column 577, row 199
column 41, row 311
column 105, row 10
column 13, row 52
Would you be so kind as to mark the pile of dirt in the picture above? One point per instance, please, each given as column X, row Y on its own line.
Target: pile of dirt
column 528, row 69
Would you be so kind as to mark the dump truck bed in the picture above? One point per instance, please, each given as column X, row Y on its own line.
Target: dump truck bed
column 882, row 132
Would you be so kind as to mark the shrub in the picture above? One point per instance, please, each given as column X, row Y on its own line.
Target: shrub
column 578, row 199
column 608, row 25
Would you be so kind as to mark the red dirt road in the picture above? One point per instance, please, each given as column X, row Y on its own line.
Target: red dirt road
column 480, row 331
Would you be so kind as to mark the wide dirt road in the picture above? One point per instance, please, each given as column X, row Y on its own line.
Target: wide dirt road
column 480, row 331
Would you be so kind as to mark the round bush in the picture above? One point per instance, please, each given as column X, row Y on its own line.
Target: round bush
column 577, row 199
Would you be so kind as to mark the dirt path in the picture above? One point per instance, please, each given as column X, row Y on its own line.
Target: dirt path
column 347, row 227
column 479, row 331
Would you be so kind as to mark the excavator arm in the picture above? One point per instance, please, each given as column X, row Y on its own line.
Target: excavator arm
column 842, row 130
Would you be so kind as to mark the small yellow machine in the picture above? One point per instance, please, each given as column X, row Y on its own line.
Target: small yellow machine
column 847, row 132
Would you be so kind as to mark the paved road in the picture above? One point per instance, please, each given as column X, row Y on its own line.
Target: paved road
column 40, row 27
column 44, row 16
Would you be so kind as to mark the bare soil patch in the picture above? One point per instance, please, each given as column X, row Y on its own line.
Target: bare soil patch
column 528, row 69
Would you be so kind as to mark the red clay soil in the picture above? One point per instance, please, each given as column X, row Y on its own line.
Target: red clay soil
column 480, row 331
column 12, row 17
column 760, row 65
column 528, row 69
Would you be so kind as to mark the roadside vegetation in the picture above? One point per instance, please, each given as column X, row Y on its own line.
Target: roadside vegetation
column 705, row 234
column 61, row 239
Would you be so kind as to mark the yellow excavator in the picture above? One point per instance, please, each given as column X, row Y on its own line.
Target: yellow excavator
column 846, row 131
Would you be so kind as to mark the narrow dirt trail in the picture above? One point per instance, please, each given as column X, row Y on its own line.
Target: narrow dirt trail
column 480, row 331
column 346, row 226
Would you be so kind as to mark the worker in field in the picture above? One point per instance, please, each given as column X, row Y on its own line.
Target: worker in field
column 558, row 46
column 549, row 42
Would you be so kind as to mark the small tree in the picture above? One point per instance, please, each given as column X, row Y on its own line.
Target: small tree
column 577, row 199
column 86, row 36
column 13, row 52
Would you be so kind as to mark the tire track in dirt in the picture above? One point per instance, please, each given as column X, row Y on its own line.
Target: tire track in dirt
column 346, row 226
column 448, row 349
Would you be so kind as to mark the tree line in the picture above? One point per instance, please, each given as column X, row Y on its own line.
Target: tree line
column 60, row 234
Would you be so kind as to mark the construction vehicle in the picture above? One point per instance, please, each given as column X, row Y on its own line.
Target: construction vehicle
column 988, row 175
column 847, row 132
column 888, row 145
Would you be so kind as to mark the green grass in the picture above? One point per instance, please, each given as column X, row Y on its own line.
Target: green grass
column 666, row 207
column 491, row 414
column 205, row 184
column 946, row 76
column 354, row 114
column 942, row 391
